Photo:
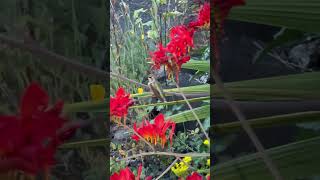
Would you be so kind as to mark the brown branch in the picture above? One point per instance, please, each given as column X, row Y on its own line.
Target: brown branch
column 166, row 154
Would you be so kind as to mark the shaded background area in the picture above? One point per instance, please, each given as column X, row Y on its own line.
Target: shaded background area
column 237, row 54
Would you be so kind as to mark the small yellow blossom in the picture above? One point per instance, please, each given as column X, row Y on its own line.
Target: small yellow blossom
column 97, row 92
column 180, row 169
column 206, row 142
column 142, row 37
column 187, row 159
column 208, row 162
column 140, row 90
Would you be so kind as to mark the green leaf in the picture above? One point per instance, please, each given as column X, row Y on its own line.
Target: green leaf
column 152, row 34
column 301, row 117
column 206, row 123
column 303, row 15
column 148, row 23
column 86, row 143
column 172, row 14
column 87, row 106
column 162, row 2
column 137, row 12
column 202, row 112
column 203, row 66
column 291, row 87
column 294, row 160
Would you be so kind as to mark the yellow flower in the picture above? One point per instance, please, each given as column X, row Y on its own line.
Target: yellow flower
column 142, row 37
column 206, row 142
column 140, row 90
column 208, row 162
column 187, row 159
column 180, row 169
column 97, row 92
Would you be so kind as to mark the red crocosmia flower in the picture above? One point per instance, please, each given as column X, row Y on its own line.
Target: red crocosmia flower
column 155, row 132
column 120, row 103
column 34, row 134
column 183, row 35
column 176, row 52
column 194, row 176
column 181, row 41
column 159, row 57
column 203, row 17
column 208, row 177
column 126, row 174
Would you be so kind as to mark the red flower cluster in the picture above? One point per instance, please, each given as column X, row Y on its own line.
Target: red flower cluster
column 176, row 53
column 155, row 132
column 160, row 57
column 203, row 17
column 196, row 176
column 29, row 140
column 120, row 103
column 126, row 174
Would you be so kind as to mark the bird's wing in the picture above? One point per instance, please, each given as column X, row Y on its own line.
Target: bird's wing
column 161, row 93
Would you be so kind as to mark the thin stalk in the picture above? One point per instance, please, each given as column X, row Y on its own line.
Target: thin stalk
column 193, row 112
column 170, row 102
column 246, row 126
column 168, row 169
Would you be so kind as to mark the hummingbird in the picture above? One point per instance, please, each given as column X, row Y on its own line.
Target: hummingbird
column 155, row 87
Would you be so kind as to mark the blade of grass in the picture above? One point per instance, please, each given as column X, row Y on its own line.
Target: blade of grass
column 301, row 117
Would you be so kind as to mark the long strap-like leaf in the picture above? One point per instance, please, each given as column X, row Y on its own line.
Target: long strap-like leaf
column 303, row 15
column 294, row 160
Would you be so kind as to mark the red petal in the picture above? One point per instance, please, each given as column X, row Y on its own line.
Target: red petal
column 194, row 176
column 11, row 134
column 149, row 178
column 115, row 176
column 159, row 120
column 34, row 99
column 139, row 172
column 173, row 127
column 126, row 174
column 120, row 92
